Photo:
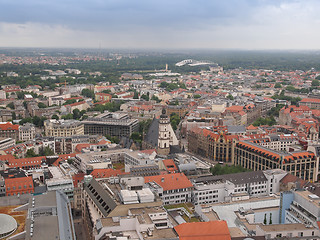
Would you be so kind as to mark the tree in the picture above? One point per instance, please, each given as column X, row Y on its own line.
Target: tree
column 36, row 120
column 155, row 98
column 315, row 83
column 70, row 101
column 174, row 120
column 25, row 120
column 14, row 116
column 291, row 88
column 68, row 116
column 163, row 84
column 110, row 106
column 197, row 96
column 265, row 219
column 144, row 126
column 136, row 136
column 70, row 161
column 11, row 105
column 76, row 113
column 230, row 97
column 42, row 105
column 47, row 151
column 264, row 121
column 88, row 93
column 145, row 97
column 270, row 220
column 278, row 85
column 136, row 95
column 113, row 139
column 52, row 86
column 30, row 153
column 55, row 116
column 274, row 112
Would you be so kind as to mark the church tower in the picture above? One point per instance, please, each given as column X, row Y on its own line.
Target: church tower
column 165, row 138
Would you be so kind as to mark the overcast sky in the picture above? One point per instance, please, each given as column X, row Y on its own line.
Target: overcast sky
column 228, row 24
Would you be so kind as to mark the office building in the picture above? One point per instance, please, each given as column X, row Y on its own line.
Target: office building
column 112, row 124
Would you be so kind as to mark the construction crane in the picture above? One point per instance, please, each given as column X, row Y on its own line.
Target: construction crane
column 65, row 83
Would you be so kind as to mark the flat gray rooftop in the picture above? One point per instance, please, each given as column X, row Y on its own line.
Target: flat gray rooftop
column 46, row 227
column 48, row 199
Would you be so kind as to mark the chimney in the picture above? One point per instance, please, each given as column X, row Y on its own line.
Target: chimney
column 162, row 179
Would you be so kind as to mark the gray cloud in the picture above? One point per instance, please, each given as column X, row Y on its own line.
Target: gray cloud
column 149, row 23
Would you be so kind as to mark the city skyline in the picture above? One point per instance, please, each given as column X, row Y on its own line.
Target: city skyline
column 125, row 24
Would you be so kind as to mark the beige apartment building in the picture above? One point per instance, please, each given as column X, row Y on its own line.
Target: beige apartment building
column 63, row 128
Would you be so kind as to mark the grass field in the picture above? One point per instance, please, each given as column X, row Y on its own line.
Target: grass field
column 187, row 206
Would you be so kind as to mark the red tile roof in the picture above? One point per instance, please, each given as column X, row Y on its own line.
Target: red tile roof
column 234, row 108
column 25, row 162
column 6, row 157
column 18, row 185
column 170, row 165
column 299, row 155
column 80, row 146
column 289, row 178
column 217, row 230
column 103, row 94
column 315, row 112
column 251, row 127
column 242, row 113
column 106, row 173
column 9, row 126
column 310, row 100
column 77, row 178
column 63, row 157
column 72, row 98
column 257, row 148
column 293, row 108
column 148, row 151
column 104, row 141
column 170, row 181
